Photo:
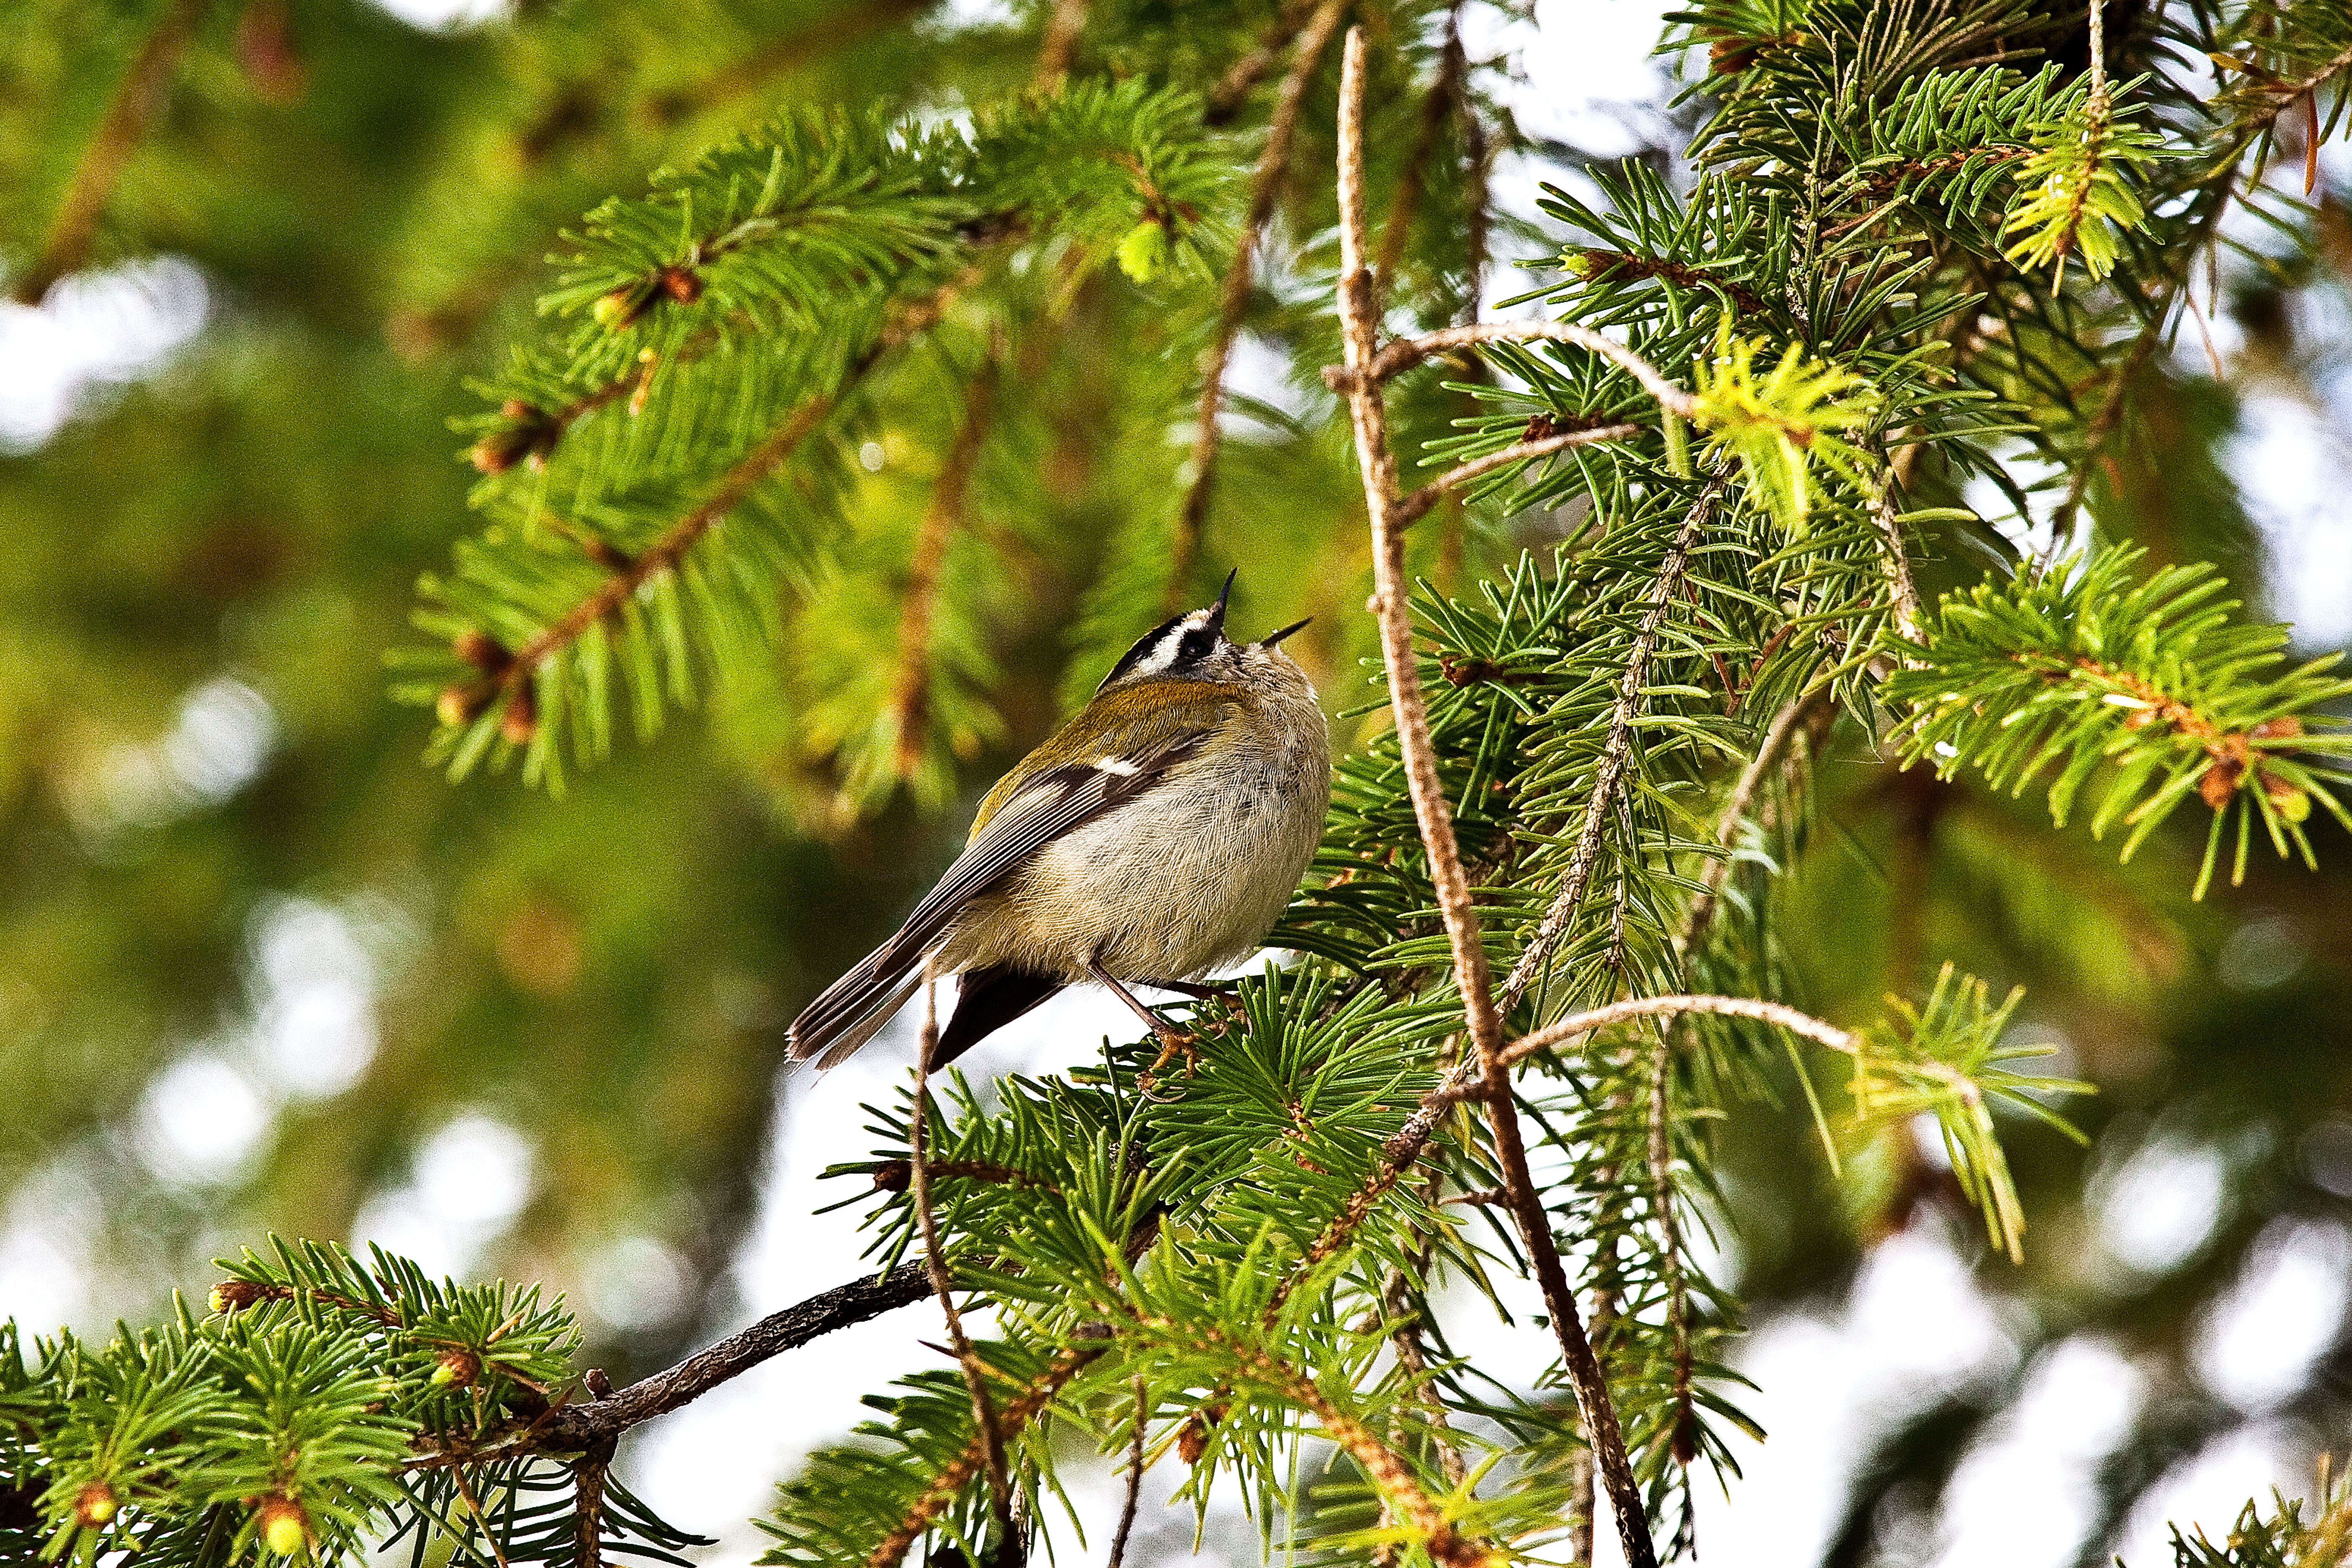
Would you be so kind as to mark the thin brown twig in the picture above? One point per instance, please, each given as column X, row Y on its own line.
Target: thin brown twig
column 1265, row 184
column 934, row 1266
column 1126, row 1509
column 1360, row 315
column 911, row 693
column 474, row 1507
column 1411, row 509
column 1403, row 353
column 67, row 245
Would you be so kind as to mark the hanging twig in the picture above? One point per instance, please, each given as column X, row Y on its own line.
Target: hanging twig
column 1735, row 811
column 1126, row 1509
column 1359, row 314
column 67, row 245
column 934, row 1266
column 588, row 1502
column 1265, row 184
column 911, row 691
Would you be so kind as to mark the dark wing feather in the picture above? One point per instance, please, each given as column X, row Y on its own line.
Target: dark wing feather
column 1040, row 811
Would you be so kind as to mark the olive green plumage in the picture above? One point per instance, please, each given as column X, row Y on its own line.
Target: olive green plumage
column 1153, row 838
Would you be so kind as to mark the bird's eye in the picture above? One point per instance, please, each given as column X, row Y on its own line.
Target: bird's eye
column 1195, row 646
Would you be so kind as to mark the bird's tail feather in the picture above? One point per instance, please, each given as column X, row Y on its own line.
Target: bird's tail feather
column 858, row 1003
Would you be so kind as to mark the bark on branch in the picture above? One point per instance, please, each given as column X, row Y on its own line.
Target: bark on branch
column 1359, row 314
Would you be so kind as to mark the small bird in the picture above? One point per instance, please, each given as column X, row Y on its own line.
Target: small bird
column 1154, row 837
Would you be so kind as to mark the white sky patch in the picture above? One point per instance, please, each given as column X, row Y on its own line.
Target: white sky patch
column 2025, row 1495
column 314, row 984
column 44, row 1246
column 2255, row 1345
column 1915, row 1328
column 200, row 1120
column 2208, row 1489
column 636, row 1283
column 219, row 740
column 2295, row 467
column 2159, row 1206
column 446, row 15
column 469, row 1182
column 95, row 331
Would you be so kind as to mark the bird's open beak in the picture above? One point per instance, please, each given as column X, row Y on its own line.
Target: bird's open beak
column 1217, row 610
column 1273, row 638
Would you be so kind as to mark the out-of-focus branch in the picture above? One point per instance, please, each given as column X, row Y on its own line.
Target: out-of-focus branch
column 911, row 693
column 1224, row 100
column 1265, row 184
column 67, row 245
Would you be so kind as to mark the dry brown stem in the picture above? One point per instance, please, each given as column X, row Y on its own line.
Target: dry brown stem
column 1359, row 314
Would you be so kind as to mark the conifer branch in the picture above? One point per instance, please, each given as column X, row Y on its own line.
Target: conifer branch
column 1609, row 774
column 1403, row 353
column 1017, row 1413
column 1359, row 314
column 1412, row 507
column 1381, row 1464
column 1910, row 618
column 1553, row 1036
column 667, row 552
column 1265, row 185
column 67, row 245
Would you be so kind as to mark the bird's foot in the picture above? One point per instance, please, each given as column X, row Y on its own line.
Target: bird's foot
column 1174, row 1042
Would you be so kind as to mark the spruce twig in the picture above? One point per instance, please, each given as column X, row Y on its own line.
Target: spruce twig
column 1412, row 507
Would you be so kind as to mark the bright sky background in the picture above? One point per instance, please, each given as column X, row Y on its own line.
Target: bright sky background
column 1915, row 1325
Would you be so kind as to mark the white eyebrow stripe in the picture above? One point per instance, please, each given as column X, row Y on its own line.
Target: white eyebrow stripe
column 1118, row 766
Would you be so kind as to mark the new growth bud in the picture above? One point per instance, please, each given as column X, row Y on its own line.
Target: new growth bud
column 284, row 1528
column 96, row 1505
column 458, row 1368
column 234, row 1295
column 1144, row 250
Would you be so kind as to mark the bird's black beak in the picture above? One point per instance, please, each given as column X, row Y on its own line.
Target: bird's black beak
column 1273, row 638
column 1217, row 610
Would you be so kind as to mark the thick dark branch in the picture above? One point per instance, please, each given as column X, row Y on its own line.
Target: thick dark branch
column 577, row 1426
column 68, row 244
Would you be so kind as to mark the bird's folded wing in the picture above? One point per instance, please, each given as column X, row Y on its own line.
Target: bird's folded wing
column 1043, row 808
